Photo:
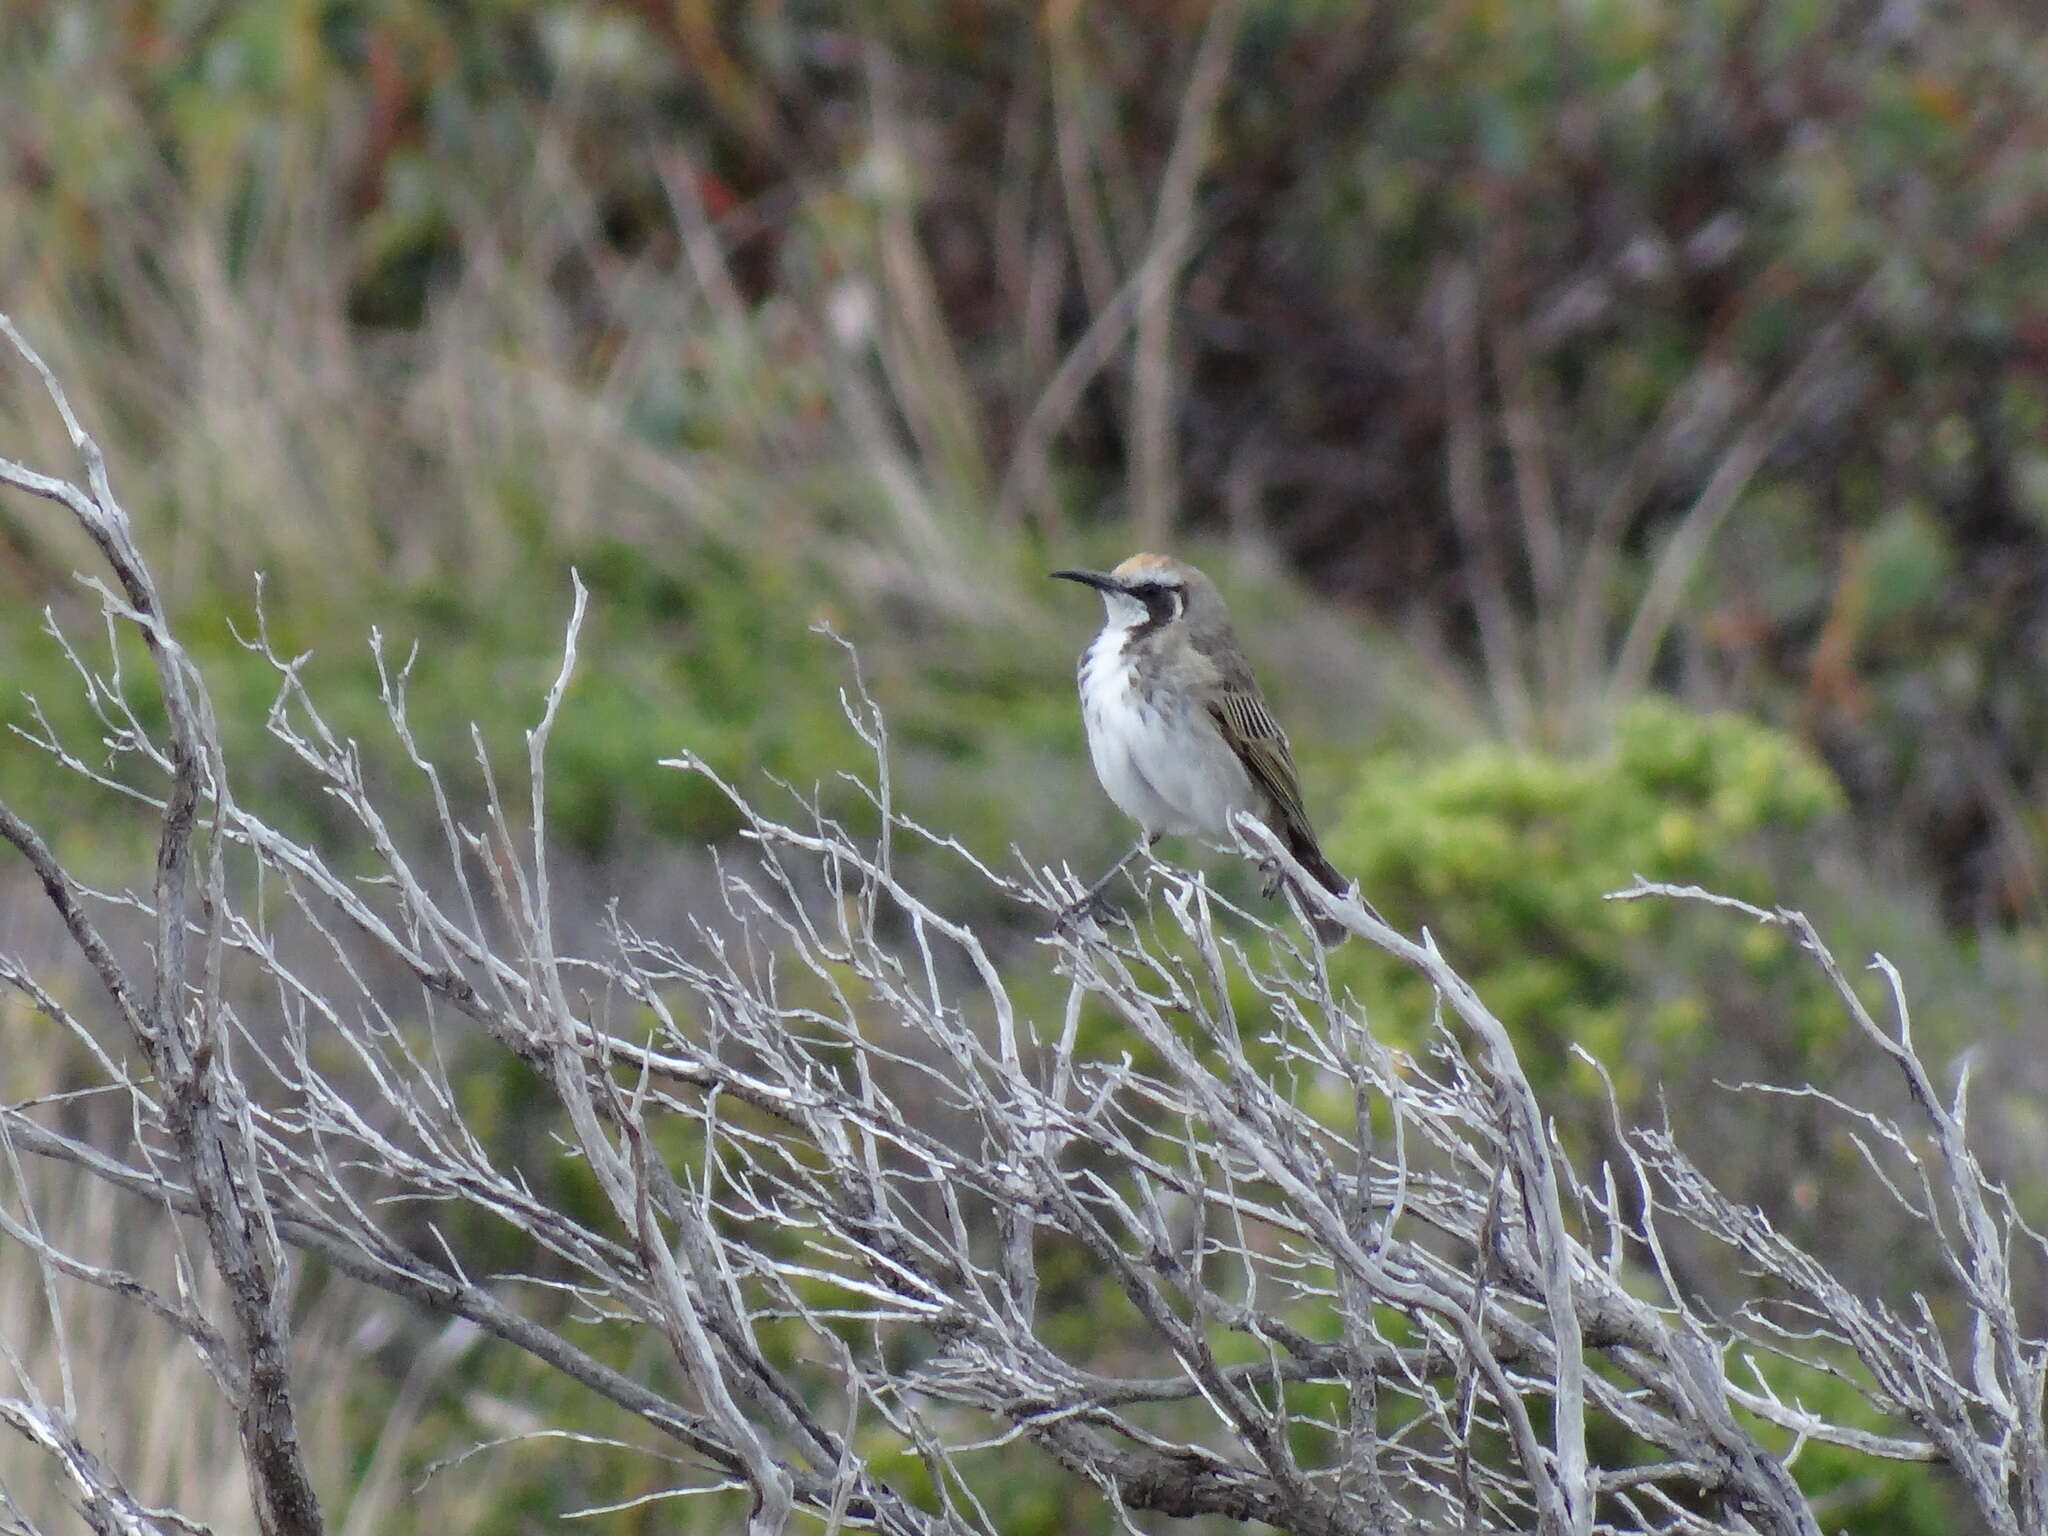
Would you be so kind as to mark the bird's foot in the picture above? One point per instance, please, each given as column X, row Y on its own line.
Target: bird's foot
column 1271, row 881
column 1076, row 915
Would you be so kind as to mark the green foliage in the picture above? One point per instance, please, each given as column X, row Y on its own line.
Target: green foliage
column 1508, row 855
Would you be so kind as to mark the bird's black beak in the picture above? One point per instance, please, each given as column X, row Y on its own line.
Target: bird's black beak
column 1095, row 579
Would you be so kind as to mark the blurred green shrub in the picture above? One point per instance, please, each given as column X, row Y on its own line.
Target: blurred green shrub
column 1507, row 855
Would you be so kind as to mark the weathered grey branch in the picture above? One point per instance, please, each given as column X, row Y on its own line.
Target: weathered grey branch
column 858, row 1177
column 182, row 1034
column 99, row 1498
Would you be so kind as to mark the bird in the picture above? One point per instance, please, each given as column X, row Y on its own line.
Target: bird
column 1180, row 735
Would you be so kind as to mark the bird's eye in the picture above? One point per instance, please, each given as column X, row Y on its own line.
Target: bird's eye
column 1151, row 592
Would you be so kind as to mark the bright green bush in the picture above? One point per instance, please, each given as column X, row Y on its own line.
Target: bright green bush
column 1508, row 855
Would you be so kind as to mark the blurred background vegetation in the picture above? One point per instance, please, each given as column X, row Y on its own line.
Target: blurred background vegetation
column 1621, row 429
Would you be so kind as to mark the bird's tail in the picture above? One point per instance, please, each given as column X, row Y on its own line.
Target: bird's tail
column 1309, row 854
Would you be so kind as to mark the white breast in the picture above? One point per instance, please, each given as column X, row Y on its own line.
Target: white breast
column 1161, row 760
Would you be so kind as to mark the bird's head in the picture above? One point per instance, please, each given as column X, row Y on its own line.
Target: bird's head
column 1150, row 591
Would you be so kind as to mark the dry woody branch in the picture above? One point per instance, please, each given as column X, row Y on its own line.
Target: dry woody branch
column 845, row 1169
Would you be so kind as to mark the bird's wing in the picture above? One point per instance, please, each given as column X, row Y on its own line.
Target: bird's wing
column 1241, row 715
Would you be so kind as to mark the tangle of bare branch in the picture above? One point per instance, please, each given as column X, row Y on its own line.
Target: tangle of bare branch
column 842, row 1146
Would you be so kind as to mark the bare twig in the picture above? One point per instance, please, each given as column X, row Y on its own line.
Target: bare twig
column 858, row 1175
column 183, row 1035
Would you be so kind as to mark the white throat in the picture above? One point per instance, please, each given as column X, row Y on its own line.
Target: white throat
column 1122, row 612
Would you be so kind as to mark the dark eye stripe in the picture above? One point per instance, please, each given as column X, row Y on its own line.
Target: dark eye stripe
column 1164, row 602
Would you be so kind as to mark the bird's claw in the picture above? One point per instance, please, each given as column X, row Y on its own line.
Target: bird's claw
column 1271, row 881
column 1090, row 908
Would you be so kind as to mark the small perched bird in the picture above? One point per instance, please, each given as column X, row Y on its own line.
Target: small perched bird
column 1181, row 737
